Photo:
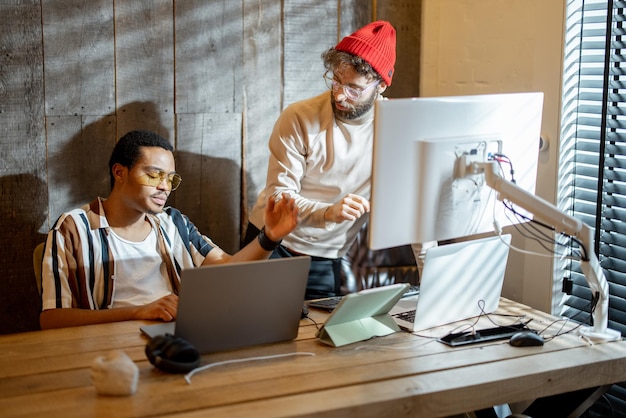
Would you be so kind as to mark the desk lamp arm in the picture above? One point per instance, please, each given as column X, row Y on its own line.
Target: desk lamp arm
column 563, row 223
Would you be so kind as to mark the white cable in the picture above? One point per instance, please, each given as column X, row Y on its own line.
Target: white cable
column 587, row 340
column 400, row 347
column 220, row 363
column 497, row 227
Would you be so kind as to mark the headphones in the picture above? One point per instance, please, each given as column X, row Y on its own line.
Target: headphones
column 172, row 354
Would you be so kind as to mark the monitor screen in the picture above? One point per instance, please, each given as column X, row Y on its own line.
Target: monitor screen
column 422, row 190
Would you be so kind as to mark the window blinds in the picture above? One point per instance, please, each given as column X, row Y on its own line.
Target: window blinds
column 593, row 148
column 592, row 177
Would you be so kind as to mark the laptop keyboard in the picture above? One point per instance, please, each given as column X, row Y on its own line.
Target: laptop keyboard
column 326, row 303
column 332, row 302
column 408, row 316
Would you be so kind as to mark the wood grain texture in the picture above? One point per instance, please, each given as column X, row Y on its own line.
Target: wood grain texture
column 354, row 14
column 79, row 148
column 208, row 56
column 23, row 186
column 404, row 16
column 144, row 64
column 402, row 374
column 79, row 57
column 262, row 92
column 310, row 29
column 209, row 160
column 75, row 75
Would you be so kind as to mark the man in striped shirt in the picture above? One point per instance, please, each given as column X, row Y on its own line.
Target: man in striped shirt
column 120, row 258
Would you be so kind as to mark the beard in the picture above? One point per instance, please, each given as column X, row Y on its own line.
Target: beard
column 353, row 111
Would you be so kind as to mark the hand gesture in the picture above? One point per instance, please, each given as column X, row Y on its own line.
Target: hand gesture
column 281, row 217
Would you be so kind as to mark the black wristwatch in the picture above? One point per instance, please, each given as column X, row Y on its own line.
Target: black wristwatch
column 266, row 243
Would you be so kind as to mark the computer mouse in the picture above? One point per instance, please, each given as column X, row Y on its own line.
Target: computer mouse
column 526, row 338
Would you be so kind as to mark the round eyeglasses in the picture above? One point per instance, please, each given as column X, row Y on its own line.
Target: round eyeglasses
column 154, row 178
column 352, row 93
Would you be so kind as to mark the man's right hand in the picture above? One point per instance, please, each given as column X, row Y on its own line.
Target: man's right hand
column 350, row 208
column 164, row 309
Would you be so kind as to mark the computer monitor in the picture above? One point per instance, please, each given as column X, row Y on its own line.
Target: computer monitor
column 421, row 188
column 439, row 163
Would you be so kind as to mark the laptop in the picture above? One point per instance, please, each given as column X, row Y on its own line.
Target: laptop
column 459, row 281
column 234, row 305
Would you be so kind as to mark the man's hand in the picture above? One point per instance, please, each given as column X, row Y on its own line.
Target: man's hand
column 350, row 208
column 281, row 217
column 164, row 309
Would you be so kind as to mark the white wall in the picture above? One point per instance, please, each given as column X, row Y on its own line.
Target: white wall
column 503, row 46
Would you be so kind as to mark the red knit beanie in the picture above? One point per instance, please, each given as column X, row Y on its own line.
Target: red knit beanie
column 376, row 44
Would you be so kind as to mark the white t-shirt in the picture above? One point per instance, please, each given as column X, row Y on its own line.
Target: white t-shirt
column 141, row 275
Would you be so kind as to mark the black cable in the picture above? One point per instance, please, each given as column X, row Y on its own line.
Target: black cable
column 573, row 238
column 531, row 232
column 537, row 235
column 502, row 158
column 528, row 222
column 481, row 305
column 590, row 305
column 312, row 320
column 583, row 250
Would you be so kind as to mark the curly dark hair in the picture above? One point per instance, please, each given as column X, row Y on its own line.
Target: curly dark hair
column 334, row 59
column 128, row 149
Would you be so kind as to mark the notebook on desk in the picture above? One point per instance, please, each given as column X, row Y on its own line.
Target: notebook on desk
column 239, row 304
column 459, row 281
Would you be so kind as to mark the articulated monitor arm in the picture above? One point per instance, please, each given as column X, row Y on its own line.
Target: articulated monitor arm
column 563, row 223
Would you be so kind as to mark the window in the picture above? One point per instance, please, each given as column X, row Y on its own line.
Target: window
column 592, row 178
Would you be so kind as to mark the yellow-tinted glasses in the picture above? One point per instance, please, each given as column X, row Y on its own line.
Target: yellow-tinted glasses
column 154, row 178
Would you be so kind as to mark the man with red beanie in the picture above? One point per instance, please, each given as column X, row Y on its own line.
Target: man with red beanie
column 321, row 155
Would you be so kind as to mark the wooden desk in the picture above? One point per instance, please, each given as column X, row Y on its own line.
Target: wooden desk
column 47, row 373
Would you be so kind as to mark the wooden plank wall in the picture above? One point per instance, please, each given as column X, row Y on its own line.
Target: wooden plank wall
column 210, row 76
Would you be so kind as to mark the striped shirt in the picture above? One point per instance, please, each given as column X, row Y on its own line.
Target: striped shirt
column 79, row 269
